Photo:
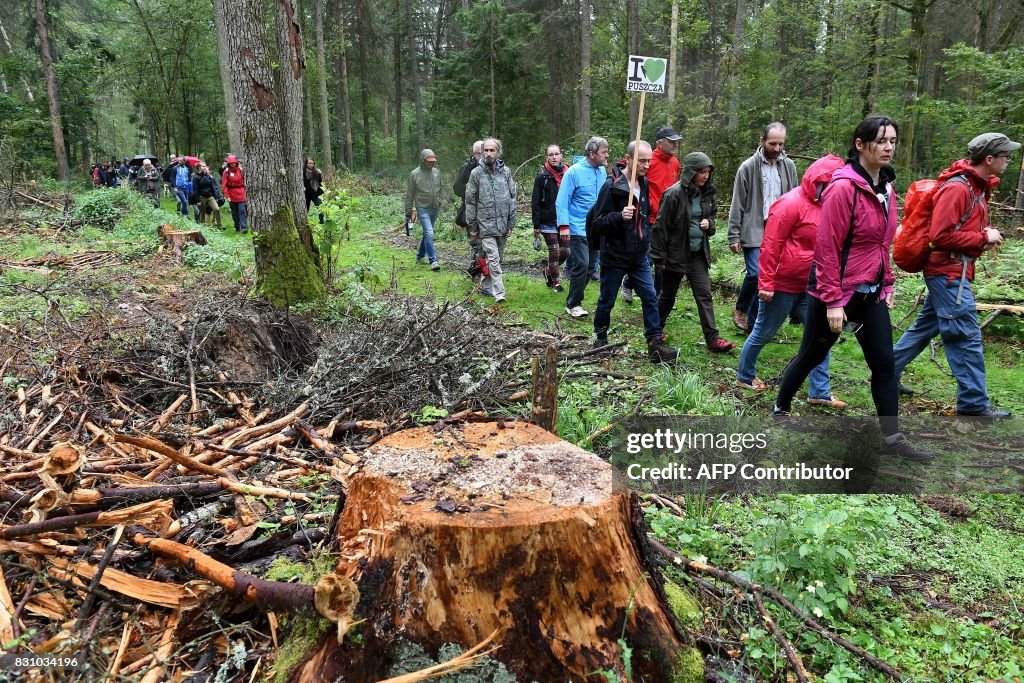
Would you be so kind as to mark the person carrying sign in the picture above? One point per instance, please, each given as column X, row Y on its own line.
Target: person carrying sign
column 624, row 229
column 960, row 233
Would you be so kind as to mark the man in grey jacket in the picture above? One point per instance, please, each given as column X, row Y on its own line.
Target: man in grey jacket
column 760, row 180
column 491, row 213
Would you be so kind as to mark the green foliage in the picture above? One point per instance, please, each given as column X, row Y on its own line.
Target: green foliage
column 579, row 417
column 429, row 415
column 103, row 207
column 679, row 392
column 330, row 235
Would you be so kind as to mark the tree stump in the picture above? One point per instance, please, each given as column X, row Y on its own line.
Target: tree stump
column 457, row 530
column 177, row 239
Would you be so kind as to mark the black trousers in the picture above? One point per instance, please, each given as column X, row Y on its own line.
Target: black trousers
column 875, row 339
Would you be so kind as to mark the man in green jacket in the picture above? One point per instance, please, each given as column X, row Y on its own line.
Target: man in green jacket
column 491, row 213
column 423, row 194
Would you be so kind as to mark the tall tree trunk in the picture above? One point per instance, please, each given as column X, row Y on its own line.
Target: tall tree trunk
column 1019, row 204
column 492, row 29
column 912, row 86
column 739, row 24
column 673, row 55
column 343, row 102
column 868, row 91
column 634, row 48
column 321, row 65
column 400, row 124
column 29, row 95
column 56, row 127
column 267, row 114
column 292, row 61
column 584, row 101
column 414, row 74
column 554, row 54
column 364, row 82
column 309, row 139
column 230, row 113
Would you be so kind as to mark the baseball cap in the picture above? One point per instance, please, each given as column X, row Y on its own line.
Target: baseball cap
column 990, row 144
column 667, row 133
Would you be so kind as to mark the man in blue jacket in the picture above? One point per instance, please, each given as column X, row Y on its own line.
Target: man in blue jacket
column 577, row 193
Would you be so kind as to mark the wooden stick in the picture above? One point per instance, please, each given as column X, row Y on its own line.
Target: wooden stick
column 636, row 140
column 173, row 454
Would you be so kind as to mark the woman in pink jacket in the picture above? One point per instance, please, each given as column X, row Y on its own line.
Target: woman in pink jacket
column 851, row 281
column 787, row 252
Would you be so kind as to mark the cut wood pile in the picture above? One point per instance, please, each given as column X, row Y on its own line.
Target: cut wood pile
column 156, row 464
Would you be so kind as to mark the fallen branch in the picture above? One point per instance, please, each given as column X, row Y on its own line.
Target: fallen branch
column 271, row 594
column 165, row 450
column 693, row 567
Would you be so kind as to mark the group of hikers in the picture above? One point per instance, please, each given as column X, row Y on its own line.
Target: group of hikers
column 189, row 181
column 816, row 250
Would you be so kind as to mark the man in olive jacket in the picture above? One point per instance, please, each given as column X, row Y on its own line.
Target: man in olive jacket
column 423, row 193
column 491, row 213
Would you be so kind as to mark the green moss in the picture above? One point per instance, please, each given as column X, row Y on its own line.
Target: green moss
column 302, row 634
column 309, row 572
column 288, row 274
column 690, row 668
column 686, row 609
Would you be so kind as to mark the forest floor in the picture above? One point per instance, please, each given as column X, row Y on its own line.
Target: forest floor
column 932, row 583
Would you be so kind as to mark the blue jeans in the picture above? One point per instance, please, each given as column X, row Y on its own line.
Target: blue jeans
column 643, row 285
column 748, row 301
column 181, row 194
column 576, row 269
column 427, row 218
column 770, row 318
column 961, row 339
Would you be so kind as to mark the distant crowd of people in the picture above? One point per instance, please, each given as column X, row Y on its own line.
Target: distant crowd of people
column 816, row 250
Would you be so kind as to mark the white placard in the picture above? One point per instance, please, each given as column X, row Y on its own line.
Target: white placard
column 646, row 74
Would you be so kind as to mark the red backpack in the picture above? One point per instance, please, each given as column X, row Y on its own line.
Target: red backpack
column 911, row 247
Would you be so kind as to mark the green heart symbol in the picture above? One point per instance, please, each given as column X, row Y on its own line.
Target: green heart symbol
column 653, row 69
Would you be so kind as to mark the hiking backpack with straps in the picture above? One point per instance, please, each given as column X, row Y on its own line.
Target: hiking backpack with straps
column 911, row 247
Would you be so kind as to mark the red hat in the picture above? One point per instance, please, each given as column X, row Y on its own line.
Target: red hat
column 231, row 159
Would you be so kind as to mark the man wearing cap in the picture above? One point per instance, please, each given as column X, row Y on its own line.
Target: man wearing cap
column 760, row 180
column 423, row 194
column 959, row 234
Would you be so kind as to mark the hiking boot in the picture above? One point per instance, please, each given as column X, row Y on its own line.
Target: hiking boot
column 499, row 299
column 595, row 276
column 904, row 389
column 904, row 449
column 549, row 278
column 576, row 311
column 739, row 319
column 602, row 345
column 989, row 414
column 627, row 294
column 721, row 346
column 435, row 266
column 659, row 352
column 753, row 385
column 557, row 286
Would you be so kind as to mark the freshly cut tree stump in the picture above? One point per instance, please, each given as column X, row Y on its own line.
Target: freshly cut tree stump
column 456, row 530
column 177, row 239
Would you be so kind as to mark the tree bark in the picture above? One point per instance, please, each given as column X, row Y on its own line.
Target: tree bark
column 414, row 74
column 673, row 56
column 230, row 114
column 364, row 82
column 343, row 102
column 528, row 536
column 399, row 123
column 739, row 24
column 916, row 42
column 633, row 20
column 325, row 111
column 583, row 106
column 56, row 126
column 286, row 272
column 1019, row 204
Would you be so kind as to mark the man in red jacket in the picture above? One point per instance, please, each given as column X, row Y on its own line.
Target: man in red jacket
column 959, row 233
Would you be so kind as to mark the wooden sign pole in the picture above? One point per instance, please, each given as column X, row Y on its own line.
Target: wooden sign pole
column 636, row 143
